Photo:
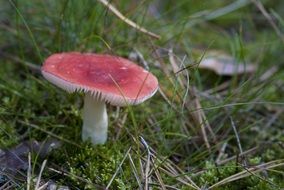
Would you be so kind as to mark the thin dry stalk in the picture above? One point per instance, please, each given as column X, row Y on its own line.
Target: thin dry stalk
column 128, row 21
column 172, row 170
column 270, row 20
column 5, row 186
column 120, row 125
column 43, row 186
column 167, row 99
column 178, row 178
column 219, row 88
column 248, row 172
column 138, row 57
column 197, row 117
column 238, row 138
column 175, row 67
column 157, row 173
column 31, row 66
column 277, row 114
column 179, row 172
column 29, row 172
column 221, row 152
column 65, row 173
column 141, row 167
column 40, row 174
column 118, row 168
column 147, row 168
column 269, row 73
column 166, row 186
column 135, row 172
column 221, row 162
column 49, row 133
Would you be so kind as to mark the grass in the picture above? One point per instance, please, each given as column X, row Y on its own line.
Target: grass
column 165, row 143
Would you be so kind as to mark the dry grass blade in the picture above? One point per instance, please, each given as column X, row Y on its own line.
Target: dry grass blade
column 147, row 169
column 221, row 152
column 40, row 174
column 198, row 118
column 65, row 173
column 31, row 66
column 175, row 67
column 118, row 168
column 166, row 186
column 128, row 21
column 137, row 56
column 167, row 99
column 178, row 178
column 270, row 72
column 249, row 171
column 29, row 172
column 9, row 185
column 260, row 6
column 234, row 157
column 135, row 172
column 159, row 177
column 49, row 133
column 238, row 138
column 170, row 169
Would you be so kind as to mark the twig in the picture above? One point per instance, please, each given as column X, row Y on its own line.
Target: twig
column 128, row 21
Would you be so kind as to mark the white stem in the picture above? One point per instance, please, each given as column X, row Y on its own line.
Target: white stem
column 95, row 121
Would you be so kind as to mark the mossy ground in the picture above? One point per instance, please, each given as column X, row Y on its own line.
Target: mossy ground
column 173, row 149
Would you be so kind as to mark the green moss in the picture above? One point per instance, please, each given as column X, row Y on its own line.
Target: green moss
column 96, row 164
column 8, row 135
column 213, row 174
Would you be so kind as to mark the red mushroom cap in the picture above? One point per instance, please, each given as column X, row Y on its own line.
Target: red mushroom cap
column 112, row 79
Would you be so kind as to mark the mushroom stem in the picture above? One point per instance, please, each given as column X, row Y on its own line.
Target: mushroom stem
column 95, row 121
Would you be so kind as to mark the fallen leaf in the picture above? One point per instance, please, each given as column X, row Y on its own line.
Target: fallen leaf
column 223, row 64
column 15, row 159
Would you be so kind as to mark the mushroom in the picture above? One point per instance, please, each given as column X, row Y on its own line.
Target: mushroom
column 103, row 79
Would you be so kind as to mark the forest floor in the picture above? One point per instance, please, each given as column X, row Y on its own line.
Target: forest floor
column 216, row 121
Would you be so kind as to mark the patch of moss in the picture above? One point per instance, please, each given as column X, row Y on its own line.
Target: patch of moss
column 97, row 165
column 8, row 135
column 214, row 174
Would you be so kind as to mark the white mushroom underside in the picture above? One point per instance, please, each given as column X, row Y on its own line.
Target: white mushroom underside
column 113, row 99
